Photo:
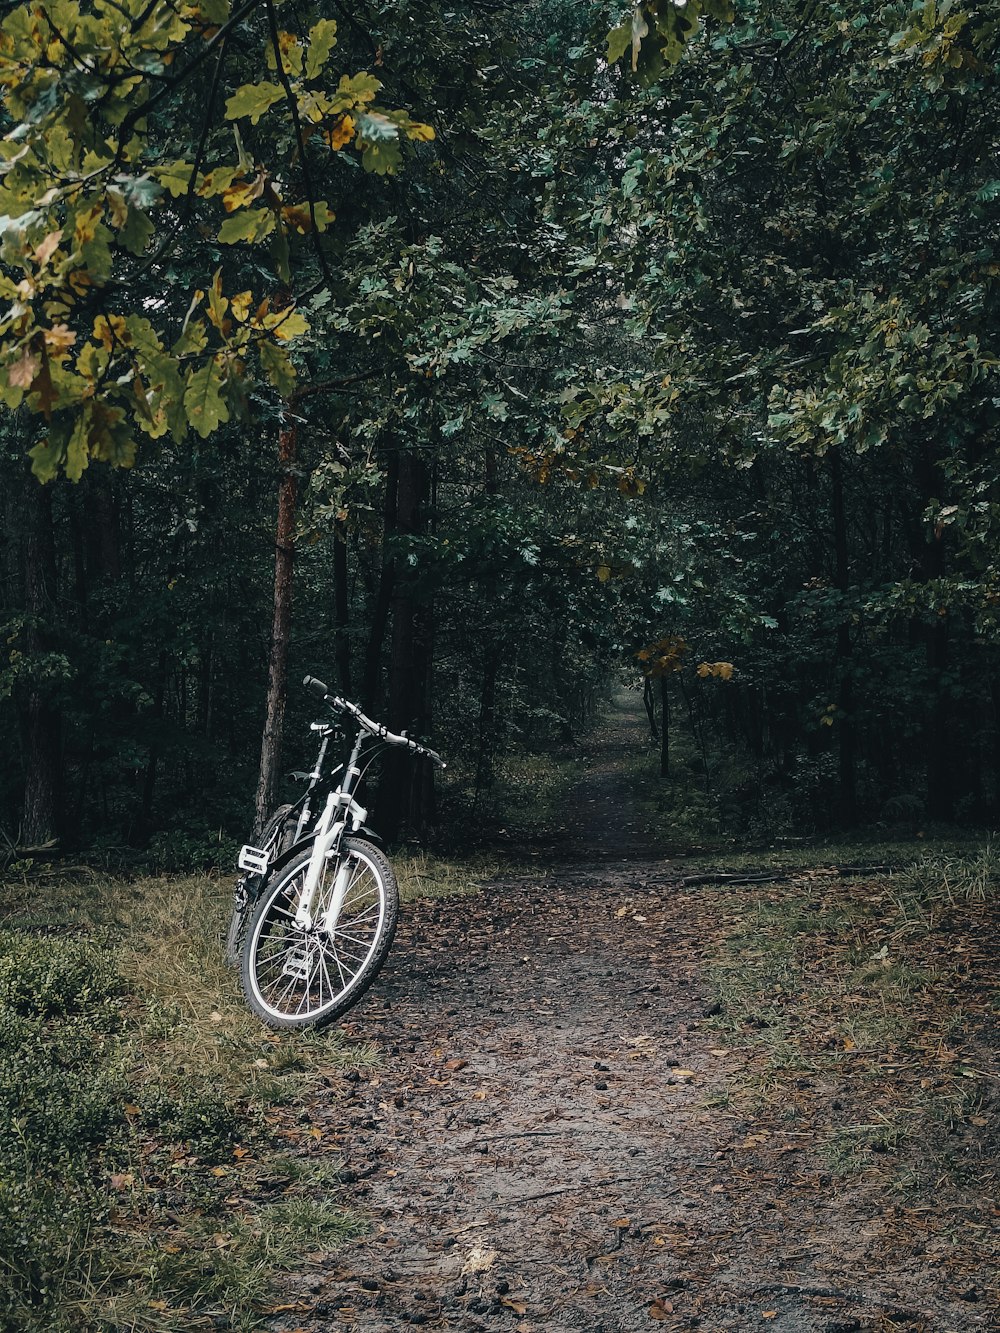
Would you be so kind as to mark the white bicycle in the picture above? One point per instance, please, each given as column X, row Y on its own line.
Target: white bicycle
column 318, row 920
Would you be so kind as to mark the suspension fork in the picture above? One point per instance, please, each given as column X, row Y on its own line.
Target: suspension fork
column 339, row 809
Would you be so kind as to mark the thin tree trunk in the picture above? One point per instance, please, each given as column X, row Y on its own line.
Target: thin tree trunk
column 40, row 821
column 940, row 775
column 664, row 729
column 487, row 726
column 650, row 707
column 407, row 661
column 371, row 687
column 341, row 607
column 277, row 675
column 845, row 651
column 149, row 781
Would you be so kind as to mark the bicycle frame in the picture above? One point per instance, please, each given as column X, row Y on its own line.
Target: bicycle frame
column 340, row 810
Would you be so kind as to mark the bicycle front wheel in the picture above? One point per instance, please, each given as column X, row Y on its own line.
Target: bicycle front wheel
column 293, row 978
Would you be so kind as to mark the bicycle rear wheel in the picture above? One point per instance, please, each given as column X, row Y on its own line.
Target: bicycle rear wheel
column 294, row 978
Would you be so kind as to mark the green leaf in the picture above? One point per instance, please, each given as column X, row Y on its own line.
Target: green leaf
column 174, row 176
column 279, row 253
column 77, row 450
column 277, row 366
column 136, row 233
column 214, row 11
column 253, row 100
column 47, row 455
column 322, row 40
column 619, row 41
column 203, row 401
column 252, row 224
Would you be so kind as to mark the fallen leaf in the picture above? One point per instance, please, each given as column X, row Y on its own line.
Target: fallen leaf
column 683, row 1073
column 518, row 1307
column 660, row 1310
column 122, row 1180
column 479, row 1260
column 455, row 1065
column 219, row 1171
column 768, row 1314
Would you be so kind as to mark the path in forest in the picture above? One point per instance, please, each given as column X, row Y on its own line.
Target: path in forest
column 547, row 1145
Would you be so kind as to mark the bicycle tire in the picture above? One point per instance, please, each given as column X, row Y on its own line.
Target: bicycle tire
column 272, row 832
column 297, row 979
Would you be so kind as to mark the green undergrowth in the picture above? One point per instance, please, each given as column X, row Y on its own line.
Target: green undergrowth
column 865, row 852
column 157, row 1172
column 866, row 1011
column 527, row 796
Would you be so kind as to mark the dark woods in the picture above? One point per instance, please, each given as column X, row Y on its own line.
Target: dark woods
column 708, row 359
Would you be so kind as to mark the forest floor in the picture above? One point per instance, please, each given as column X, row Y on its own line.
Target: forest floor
column 611, row 1100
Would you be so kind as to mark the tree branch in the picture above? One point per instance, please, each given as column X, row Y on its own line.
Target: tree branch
column 293, row 104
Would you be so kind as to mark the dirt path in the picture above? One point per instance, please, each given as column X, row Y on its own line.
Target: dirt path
column 548, row 1145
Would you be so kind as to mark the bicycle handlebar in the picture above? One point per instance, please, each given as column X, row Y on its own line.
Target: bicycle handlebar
column 375, row 728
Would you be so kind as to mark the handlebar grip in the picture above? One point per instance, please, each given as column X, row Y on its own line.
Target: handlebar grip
column 317, row 686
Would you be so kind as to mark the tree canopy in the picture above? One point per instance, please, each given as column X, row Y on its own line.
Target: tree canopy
column 564, row 339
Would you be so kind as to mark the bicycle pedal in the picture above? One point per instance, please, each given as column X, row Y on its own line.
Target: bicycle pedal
column 253, row 859
column 298, row 966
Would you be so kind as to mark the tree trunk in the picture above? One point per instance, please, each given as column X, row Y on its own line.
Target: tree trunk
column 40, row 820
column 845, row 650
column 407, row 660
column 277, row 674
column 372, row 686
column 664, row 729
column 940, row 776
column 341, row 607
column 649, row 703
column 487, row 726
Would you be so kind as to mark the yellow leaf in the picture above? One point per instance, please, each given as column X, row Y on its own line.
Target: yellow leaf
column 603, row 573
column 342, row 133
column 287, row 324
column 243, row 193
column 240, row 305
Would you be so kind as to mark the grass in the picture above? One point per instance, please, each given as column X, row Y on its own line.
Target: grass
column 146, row 1105
column 421, row 875
column 159, row 1173
column 855, row 994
